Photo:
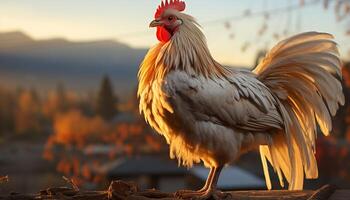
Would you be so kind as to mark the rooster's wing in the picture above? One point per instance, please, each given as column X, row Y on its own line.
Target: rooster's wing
column 237, row 101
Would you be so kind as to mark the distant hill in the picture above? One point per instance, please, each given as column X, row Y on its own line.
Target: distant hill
column 25, row 62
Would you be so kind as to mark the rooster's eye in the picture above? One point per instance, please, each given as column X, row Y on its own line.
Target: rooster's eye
column 170, row 18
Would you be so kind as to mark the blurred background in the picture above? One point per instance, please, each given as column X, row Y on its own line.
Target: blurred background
column 68, row 78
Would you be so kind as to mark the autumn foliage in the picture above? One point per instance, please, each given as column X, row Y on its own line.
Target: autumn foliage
column 76, row 139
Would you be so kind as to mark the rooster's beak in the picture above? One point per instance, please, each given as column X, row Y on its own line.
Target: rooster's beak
column 155, row 23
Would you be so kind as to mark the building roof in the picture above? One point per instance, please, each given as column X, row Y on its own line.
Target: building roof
column 145, row 165
column 154, row 165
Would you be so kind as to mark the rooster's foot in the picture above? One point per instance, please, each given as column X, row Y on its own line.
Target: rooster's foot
column 201, row 194
column 187, row 193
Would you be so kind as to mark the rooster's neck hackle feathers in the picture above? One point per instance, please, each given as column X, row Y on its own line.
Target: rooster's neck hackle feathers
column 172, row 4
column 187, row 51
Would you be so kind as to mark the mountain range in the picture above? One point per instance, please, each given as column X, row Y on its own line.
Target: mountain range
column 80, row 66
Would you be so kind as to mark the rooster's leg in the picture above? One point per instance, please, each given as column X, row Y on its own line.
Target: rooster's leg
column 212, row 186
column 208, row 181
column 200, row 191
column 209, row 188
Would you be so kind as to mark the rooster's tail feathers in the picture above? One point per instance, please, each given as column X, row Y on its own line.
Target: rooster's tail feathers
column 303, row 72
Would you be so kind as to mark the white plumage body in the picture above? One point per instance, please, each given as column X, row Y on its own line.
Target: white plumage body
column 212, row 120
column 213, row 114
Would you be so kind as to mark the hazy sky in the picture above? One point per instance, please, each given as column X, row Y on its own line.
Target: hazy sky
column 127, row 21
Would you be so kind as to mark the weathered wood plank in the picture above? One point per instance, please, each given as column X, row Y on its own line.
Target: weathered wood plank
column 271, row 195
column 119, row 190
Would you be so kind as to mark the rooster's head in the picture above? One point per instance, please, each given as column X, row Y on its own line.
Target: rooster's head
column 168, row 19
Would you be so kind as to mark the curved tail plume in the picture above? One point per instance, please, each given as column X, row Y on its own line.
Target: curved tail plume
column 304, row 73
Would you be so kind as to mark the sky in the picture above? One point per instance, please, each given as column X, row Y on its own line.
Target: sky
column 127, row 21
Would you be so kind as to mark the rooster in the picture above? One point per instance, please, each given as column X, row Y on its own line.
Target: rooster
column 213, row 114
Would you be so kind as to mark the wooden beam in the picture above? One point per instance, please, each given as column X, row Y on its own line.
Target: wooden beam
column 120, row 190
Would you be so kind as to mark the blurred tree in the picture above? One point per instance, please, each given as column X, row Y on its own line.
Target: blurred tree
column 78, row 143
column 73, row 128
column 106, row 101
column 56, row 102
column 61, row 101
column 7, row 105
column 62, row 104
column 28, row 113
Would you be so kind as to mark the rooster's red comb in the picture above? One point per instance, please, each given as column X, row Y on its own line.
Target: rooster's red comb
column 172, row 4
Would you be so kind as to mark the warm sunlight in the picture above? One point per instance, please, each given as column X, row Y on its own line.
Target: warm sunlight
column 174, row 99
